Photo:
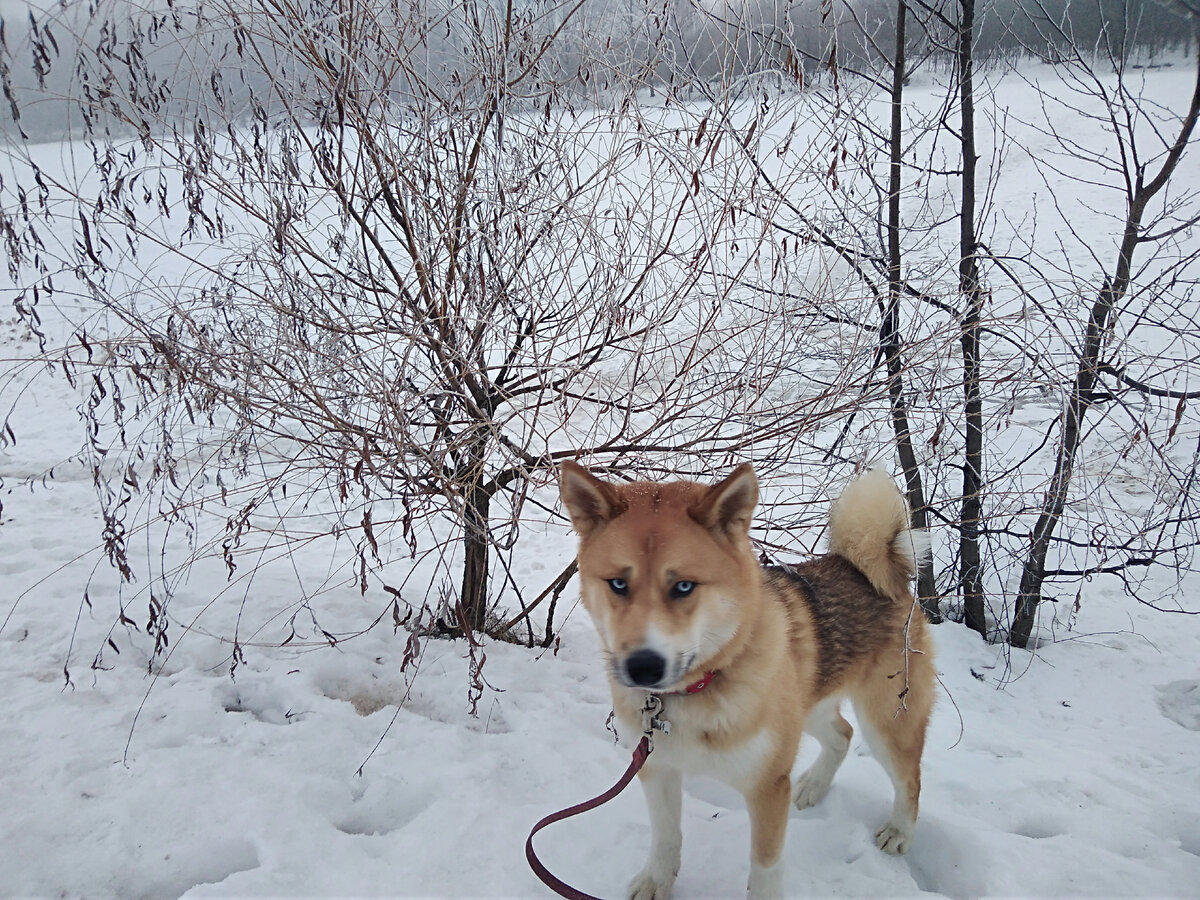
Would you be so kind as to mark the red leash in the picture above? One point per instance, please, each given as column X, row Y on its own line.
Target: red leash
column 652, row 721
column 640, row 754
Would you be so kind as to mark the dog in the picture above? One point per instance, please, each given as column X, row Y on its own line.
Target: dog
column 745, row 657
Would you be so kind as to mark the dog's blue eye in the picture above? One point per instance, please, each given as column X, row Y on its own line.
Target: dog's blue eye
column 682, row 588
column 619, row 586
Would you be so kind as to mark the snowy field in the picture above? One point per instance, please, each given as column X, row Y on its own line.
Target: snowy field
column 1077, row 778
column 319, row 771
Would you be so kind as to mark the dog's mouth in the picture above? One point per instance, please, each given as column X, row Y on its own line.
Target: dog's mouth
column 649, row 670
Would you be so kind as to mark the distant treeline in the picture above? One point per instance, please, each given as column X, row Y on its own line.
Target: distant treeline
column 723, row 37
column 607, row 44
column 1049, row 27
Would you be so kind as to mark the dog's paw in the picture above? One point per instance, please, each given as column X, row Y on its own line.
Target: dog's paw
column 766, row 882
column 891, row 838
column 809, row 790
column 651, row 884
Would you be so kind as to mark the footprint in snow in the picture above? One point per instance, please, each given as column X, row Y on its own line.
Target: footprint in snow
column 1179, row 701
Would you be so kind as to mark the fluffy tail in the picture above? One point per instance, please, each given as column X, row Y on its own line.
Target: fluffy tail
column 870, row 526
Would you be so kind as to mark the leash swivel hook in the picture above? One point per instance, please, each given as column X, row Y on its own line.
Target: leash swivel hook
column 652, row 719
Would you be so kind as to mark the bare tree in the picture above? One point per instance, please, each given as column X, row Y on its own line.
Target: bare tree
column 970, row 286
column 1144, row 177
column 891, row 343
column 406, row 259
column 900, row 269
column 873, row 237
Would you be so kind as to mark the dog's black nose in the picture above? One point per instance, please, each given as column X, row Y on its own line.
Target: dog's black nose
column 645, row 668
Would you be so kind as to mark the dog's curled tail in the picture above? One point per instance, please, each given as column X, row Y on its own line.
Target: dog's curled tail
column 869, row 525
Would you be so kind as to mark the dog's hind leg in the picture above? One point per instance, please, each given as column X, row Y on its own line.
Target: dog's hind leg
column 895, row 731
column 663, row 788
column 826, row 724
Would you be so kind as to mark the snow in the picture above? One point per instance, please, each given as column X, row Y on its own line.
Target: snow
column 1068, row 772
column 311, row 770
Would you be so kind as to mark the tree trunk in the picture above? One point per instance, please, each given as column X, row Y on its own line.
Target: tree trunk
column 970, row 582
column 889, row 335
column 476, row 539
column 473, row 594
column 1030, row 592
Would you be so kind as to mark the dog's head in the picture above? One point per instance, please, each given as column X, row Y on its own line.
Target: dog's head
column 666, row 570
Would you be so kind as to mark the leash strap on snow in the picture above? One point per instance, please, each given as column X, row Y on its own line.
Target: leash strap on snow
column 560, row 887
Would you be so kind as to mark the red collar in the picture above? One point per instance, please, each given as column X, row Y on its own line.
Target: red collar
column 697, row 686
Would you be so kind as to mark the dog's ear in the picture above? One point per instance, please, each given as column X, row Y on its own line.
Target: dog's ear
column 727, row 506
column 589, row 501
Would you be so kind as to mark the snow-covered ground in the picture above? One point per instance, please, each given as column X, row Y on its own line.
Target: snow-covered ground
column 1079, row 777
column 324, row 771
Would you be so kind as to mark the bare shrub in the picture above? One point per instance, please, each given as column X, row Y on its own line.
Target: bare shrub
column 358, row 275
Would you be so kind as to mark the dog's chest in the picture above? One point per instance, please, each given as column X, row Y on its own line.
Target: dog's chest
column 734, row 758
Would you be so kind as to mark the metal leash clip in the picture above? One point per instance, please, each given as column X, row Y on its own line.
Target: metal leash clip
column 652, row 720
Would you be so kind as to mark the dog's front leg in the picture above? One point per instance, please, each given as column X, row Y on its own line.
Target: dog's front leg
column 663, row 788
column 768, row 805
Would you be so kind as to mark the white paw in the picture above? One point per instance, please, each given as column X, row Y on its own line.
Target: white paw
column 651, row 884
column 893, row 839
column 809, row 790
column 766, row 882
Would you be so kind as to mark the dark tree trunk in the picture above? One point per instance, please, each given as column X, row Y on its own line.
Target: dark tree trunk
column 889, row 336
column 473, row 593
column 476, row 540
column 1030, row 591
column 970, row 582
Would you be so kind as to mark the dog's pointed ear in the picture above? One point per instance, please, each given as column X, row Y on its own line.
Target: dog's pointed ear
column 728, row 505
column 589, row 501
